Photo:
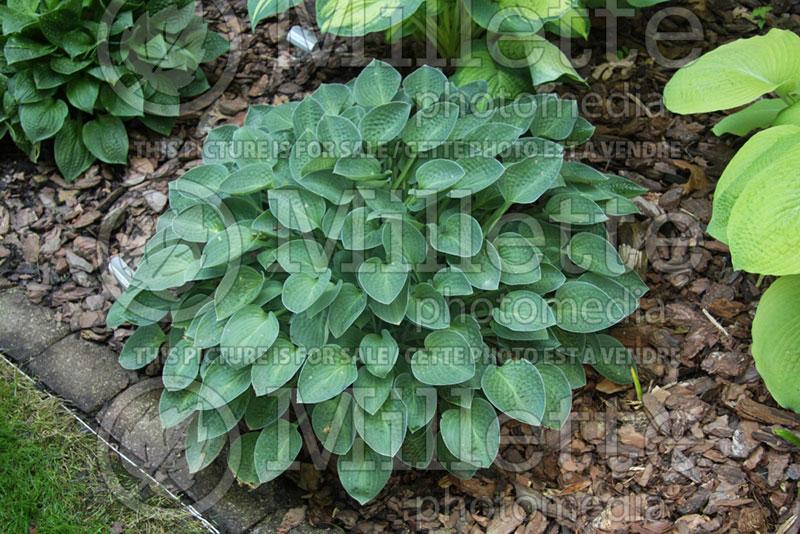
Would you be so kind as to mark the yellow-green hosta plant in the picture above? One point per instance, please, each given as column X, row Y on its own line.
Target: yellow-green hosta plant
column 757, row 199
column 400, row 259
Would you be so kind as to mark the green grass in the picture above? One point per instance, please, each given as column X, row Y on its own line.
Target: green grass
column 50, row 482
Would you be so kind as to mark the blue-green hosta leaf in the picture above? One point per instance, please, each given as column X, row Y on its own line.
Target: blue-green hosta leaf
column 219, row 421
column 222, row 384
column 339, row 136
column 253, row 145
column 201, row 452
column 371, row 391
column 574, row 208
column 273, row 369
column 524, row 311
column 345, row 309
column 418, row 448
column 513, row 335
column 329, row 185
column 520, row 261
column 420, row 400
column 359, row 167
column 302, row 256
column 360, row 232
column 492, row 138
column 437, row 175
column 218, row 147
column 558, row 393
column 425, row 85
column 593, row 253
column 325, row 300
column 458, row 235
column 238, row 288
column 142, row 347
column 609, row 357
column 332, row 421
column 516, row 389
column 455, row 466
column 241, row 461
column 383, row 123
column 306, row 116
column 480, row 173
column 301, row 290
column 228, row 245
column 624, row 299
column 327, row 372
column 483, row 269
column 385, row 430
column 427, row 307
column 696, row 88
column 171, row 266
column 174, row 407
column 181, row 366
column 402, row 238
column 395, row 312
column 472, row 434
column 297, row 209
column 333, row 97
column 430, row 127
column 524, row 182
column 276, row 448
column 378, row 82
column 202, row 181
column 198, row 223
column 363, row 472
column 584, row 307
column 379, row 353
column 248, row 334
column 555, row 118
column 576, row 172
column 265, row 410
column 452, row 282
column 551, row 279
column 250, row 179
column 446, row 359
column 776, row 334
column 382, row 281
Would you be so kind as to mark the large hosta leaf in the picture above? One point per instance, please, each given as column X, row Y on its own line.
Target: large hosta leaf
column 517, row 390
column 354, row 18
column 260, row 9
column 776, row 338
column 472, row 434
column 736, row 73
column 520, row 16
column 363, row 472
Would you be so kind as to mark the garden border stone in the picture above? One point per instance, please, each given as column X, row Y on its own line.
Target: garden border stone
column 88, row 375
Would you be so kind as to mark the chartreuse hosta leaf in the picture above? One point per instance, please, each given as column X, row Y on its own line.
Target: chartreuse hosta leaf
column 776, row 332
column 378, row 263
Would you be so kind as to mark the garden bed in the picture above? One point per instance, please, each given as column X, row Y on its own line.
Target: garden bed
column 697, row 454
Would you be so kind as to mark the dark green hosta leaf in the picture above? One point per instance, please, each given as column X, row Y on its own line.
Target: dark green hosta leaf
column 238, row 288
column 371, row 391
column 248, row 334
column 142, row 347
column 71, row 155
column 559, row 396
column 276, row 367
column 382, row 281
column 458, row 235
column 418, row 448
column 379, row 353
column 472, row 434
column 332, row 421
column 240, row 458
column 516, row 389
column 420, row 400
column 383, row 123
column 609, row 357
column 376, row 84
column 327, row 372
column 385, row 430
column 524, row 311
column 276, row 448
column 427, row 308
column 107, row 139
column 345, row 309
column 446, row 359
column 42, row 120
column 363, row 472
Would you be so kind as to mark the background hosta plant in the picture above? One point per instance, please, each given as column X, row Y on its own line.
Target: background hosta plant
column 353, row 248
column 500, row 42
column 757, row 200
column 74, row 71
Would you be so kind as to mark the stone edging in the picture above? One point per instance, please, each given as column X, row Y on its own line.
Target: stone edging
column 126, row 409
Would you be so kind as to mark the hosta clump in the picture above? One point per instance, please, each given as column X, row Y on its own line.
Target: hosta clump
column 409, row 260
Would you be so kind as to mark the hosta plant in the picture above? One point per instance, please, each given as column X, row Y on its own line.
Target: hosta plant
column 757, row 199
column 74, row 71
column 402, row 260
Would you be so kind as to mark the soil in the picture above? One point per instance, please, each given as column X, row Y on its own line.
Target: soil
column 697, row 454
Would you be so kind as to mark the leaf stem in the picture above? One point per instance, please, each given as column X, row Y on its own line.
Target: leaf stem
column 636, row 383
column 400, row 181
column 496, row 217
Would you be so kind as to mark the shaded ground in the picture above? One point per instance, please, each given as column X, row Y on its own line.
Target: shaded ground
column 696, row 455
